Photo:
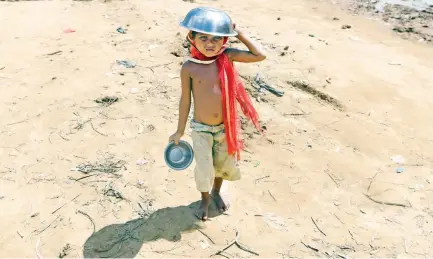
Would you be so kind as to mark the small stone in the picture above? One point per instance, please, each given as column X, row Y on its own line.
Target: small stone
column 346, row 26
column 399, row 159
column 121, row 30
column 142, row 161
column 204, row 244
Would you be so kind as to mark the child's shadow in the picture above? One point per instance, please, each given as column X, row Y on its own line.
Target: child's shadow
column 125, row 240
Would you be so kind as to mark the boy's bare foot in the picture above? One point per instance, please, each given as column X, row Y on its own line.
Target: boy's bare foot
column 222, row 204
column 203, row 210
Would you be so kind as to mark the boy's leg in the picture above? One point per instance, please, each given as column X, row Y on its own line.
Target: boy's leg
column 203, row 209
column 204, row 172
column 222, row 203
column 226, row 169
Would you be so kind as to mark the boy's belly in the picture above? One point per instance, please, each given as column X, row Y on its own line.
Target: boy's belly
column 208, row 108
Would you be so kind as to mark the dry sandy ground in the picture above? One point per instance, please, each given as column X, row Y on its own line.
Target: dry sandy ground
column 315, row 163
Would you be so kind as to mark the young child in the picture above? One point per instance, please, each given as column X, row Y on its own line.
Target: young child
column 210, row 76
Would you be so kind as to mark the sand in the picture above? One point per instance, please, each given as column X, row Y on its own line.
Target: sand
column 321, row 182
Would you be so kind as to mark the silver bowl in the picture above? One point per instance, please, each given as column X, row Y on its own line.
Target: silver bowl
column 179, row 157
column 210, row 21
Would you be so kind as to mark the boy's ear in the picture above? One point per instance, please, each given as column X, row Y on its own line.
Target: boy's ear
column 190, row 35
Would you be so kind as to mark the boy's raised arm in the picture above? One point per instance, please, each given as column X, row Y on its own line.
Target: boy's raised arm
column 255, row 51
column 184, row 104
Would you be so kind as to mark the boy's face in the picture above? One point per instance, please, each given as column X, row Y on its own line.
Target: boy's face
column 207, row 44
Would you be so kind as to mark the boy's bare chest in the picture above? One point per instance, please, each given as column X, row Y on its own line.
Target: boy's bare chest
column 205, row 75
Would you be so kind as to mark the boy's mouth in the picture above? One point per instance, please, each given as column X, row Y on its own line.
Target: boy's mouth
column 210, row 50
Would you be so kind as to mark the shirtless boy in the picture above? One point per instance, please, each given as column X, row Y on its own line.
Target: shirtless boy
column 214, row 163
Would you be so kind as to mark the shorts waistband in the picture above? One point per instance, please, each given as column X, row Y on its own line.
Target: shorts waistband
column 200, row 127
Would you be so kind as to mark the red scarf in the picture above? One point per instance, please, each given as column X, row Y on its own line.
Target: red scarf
column 232, row 89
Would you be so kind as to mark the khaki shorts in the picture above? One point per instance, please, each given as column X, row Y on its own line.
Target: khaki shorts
column 211, row 156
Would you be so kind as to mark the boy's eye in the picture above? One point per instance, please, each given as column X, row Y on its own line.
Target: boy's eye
column 214, row 39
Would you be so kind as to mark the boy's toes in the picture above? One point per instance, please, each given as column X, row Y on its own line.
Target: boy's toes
column 201, row 215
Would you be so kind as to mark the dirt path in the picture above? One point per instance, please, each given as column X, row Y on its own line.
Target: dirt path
column 321, row 182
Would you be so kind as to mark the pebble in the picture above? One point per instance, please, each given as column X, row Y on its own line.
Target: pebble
column 142, row 161
column 121, row 30
column 126, row 63
column 346, row 26
column 399, row 159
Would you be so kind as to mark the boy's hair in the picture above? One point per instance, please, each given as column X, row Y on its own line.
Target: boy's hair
column 193, row 33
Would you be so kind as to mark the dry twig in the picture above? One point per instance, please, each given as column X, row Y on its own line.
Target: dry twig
column 310, row 247
column 90, row 218
column 353, row 238
column 272, row 195
column 65, row 204
column 338, row 218
column 204, row 234
column 49, row 225
column 60, row 134
column 159, row 65
column 385, row 202
column 108, row 166
column 318, row 227
column 65, row 251
column 81, row 178
column 332, row 178
column 93, row 127
column 164, row 251
column 371, row 181
column 238, row 244
column 261, row 178
column 54, row 53
column 18, row 122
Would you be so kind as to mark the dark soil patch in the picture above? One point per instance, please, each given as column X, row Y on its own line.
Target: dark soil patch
column 316, row 93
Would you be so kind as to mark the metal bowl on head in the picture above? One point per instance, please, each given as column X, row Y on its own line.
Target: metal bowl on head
column 209, row 21
column 179, row 157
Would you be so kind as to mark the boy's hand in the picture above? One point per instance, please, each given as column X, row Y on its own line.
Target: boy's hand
column 255, row 51
column 175, row 138
column 236, row 29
